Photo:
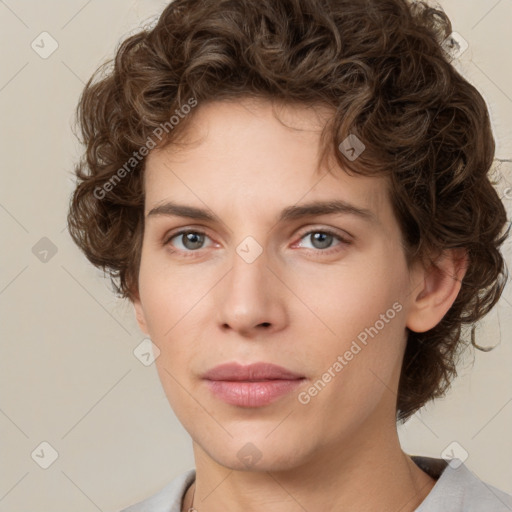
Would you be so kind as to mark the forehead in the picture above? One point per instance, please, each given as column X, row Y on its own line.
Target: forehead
column 254, row 151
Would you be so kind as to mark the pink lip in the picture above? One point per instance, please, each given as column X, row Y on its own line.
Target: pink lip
column 253, row 385
column 250, row 372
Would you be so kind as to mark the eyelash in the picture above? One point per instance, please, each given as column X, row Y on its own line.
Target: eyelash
column 343, row 241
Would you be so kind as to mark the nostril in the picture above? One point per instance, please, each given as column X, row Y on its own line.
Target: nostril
column 262, row 324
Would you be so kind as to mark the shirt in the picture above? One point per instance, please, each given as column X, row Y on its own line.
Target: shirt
column 457, row 489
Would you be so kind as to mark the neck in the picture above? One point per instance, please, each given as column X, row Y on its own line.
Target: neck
column 368, row 473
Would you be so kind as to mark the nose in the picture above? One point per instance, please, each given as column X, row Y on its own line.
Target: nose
column 251, row 299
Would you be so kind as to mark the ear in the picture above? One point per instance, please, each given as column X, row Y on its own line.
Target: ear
column 438, row 288
column 139, row 314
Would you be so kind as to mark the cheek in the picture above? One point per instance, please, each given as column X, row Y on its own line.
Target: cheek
column 169, row 295
column 169, row 299
column 357, row 368
column 358, row 315
column 349, row 298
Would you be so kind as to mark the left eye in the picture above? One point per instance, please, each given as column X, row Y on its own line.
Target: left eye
column 321, row 239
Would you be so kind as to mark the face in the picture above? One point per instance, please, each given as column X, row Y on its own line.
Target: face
column 258, row 277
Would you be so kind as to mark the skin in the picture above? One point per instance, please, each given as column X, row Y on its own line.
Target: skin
column 298, row 305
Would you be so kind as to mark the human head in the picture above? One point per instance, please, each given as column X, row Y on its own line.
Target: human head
column 380, row 69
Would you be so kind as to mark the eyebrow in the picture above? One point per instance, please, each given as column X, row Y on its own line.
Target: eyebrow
column 289, row 213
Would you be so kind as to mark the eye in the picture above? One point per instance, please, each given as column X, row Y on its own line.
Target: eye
column 189, row 240
column 322, row 239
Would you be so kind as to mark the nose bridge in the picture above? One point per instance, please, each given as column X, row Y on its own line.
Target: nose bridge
column 249, row 297
column 249, row 265
column 246, row 283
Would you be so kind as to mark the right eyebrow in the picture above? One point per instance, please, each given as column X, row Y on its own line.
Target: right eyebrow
column 181, row 210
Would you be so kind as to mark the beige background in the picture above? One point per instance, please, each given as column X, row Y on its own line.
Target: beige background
column 68, row 373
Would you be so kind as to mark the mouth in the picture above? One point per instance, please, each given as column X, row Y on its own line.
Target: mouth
column 254, row 385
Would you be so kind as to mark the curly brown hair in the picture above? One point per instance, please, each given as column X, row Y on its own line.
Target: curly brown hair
column 379, row 65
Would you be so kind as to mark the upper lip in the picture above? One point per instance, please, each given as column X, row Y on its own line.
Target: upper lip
column 251, row 372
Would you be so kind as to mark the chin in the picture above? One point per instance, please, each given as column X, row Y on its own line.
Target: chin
column 258, row 453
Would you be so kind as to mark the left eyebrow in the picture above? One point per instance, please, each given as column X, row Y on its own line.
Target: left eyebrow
column 295, row 212
column 326, row 208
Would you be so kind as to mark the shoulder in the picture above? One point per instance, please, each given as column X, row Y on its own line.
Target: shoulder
column 458, row 489
column 168, row 499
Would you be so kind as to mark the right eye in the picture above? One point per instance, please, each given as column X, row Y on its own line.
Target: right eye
column 187, row 240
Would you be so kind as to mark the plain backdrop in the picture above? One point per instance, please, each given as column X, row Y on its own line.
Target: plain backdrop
column 69, row 376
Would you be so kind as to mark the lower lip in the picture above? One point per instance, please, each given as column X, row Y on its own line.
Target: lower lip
column 252, row 394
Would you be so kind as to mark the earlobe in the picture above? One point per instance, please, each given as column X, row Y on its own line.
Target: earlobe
column 139, row 315
column 440, row 285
